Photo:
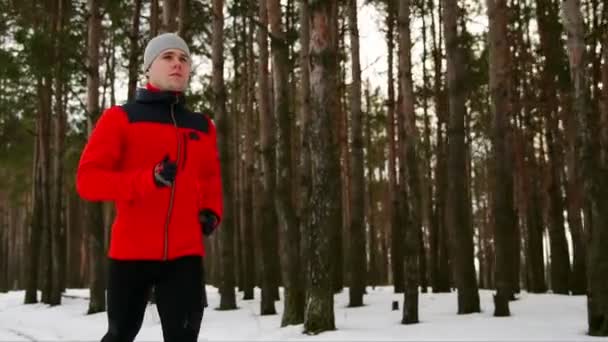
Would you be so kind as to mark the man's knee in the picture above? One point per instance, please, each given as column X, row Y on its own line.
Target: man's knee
column 121, row 332
column 185, row 330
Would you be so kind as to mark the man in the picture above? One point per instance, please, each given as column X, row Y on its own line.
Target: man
column 158, row 162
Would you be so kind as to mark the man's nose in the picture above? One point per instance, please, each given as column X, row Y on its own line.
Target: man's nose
column 177, row 63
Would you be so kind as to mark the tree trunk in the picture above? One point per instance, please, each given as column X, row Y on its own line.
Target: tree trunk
column 594, row 171
column 182, row 16
column 324, row 197
column 458, row 220
column 134, row 52
column 551, row 47
column 45, row 131
column 427, row 178
column 56, row 202
column 409, row 168
column 4, row 241
column 248, row 223
column 293, row 312
column 35, row 233
column 224, row 138
column 372, row 240
column 357, row 200
column 268, row 222
column 169, row 16
column 94, row 215
column 438, row 237
column 392, row 208
column 154, row 15
column 305, row 172
column 574, row 204
column 504, row 213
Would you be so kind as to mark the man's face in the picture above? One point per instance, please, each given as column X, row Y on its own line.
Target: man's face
column 170, row 71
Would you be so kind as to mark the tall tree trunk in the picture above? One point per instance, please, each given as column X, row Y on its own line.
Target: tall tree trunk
column 594, row 171
column 182, row 16
column 35, row 231
column 395, row 228
column 94, row 215
column 224, row 137
column 248, row 224
column 550, row 43
column 534, row 214
column 154, row 18
column 574, row 205
column 408, row 168
column 340, row 243
column 574, row 195
column 4, row 241
column 45, row 131
column 268, row 222
column 357, row 199
column 305, row 172
column 438, row 237
column 134, row 50
column 458, row 220
column 169, row 16
column 504, row 213
column 293, row 312
column 324, row 197
column 59, row 130
column 372, row 240
column 426, row 178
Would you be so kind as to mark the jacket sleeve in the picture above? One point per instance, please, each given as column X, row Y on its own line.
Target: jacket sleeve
column 210, row 181
column 98, row 177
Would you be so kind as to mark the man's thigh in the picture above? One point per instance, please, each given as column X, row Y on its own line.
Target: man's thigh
column 179, row 296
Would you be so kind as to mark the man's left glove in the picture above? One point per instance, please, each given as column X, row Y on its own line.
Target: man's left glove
column 208, row 221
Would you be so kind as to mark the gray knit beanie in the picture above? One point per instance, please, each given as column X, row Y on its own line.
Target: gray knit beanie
column 161, row 43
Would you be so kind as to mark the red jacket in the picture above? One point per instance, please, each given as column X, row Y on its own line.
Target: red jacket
column 117, row 165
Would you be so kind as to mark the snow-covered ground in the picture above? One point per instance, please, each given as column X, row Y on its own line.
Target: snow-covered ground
column 545, row 317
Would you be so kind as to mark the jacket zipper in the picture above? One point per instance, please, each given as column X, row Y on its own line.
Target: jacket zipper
column 172, row 198
column 185, row 151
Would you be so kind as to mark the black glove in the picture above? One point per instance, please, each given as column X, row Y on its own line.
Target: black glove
column 208, row 221
column 164, row 172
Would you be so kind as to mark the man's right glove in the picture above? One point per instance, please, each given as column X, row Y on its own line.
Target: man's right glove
column 164, row 172
column 208, row 220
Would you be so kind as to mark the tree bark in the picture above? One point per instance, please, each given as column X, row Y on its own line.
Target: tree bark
column 594, row 171
column 169, row 16
column 392, row 209
column 293, row 312
column 458, row 220
column 224, row 138
column 134, row 50
column 409, row 168
column 504, row 212
column 94, row 214
column 305, row 171
column 550, row 44
column 248, row 224
column 267, row 142
column 59, row 131
column 438, row 237
column 182, row 16
column 372, row 240
column 154, row 17
column 357, row 199
column 325, row 192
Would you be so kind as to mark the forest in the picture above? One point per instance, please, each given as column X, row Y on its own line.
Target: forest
column 478, row 160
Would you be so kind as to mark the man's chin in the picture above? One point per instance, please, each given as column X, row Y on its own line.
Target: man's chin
column 176, row 87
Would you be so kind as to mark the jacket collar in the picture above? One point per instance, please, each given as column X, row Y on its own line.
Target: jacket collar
column 151, row 95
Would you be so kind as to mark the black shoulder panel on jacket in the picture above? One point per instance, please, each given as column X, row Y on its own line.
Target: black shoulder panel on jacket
column 140, row 112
